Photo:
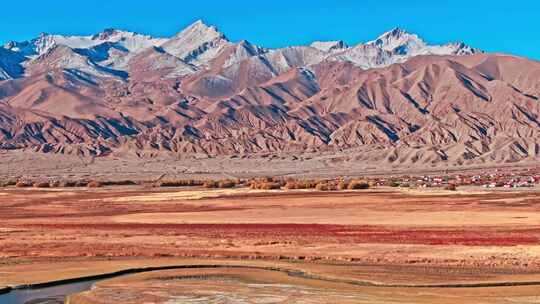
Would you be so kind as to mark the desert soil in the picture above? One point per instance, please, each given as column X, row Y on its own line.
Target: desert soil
column 43, row 166
column 384, row 236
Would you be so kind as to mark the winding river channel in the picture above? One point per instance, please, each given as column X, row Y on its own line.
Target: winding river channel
column 57, row 292
column 45, row 295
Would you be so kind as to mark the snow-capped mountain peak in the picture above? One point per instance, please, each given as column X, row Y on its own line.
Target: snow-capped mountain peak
column 106, row 34
column 398, row 41
column 34, row 47
column 197, row 44
column 240, row 51
column 200, row 31
column 329, row 46
column 244, row 49
column 396, row 32
column 460, row 48
column 200, row 25
column 396, row 46
column 40, row 45
column 202, row 47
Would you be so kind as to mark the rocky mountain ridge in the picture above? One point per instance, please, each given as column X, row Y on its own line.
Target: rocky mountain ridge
column 405, row 101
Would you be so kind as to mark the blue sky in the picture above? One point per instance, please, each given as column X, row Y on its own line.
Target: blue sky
column 495, row 26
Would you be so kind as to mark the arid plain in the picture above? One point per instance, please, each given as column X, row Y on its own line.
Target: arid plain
column 382, row 245
column 283, row 153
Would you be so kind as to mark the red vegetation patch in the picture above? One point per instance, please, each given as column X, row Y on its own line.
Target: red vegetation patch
column 468, row 237
column 473, row 236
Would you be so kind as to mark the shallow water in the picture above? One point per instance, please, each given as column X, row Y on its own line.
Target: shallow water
column 47, row 295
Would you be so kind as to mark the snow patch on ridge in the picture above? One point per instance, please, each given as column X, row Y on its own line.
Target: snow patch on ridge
column 329, row 46
column 201, row 47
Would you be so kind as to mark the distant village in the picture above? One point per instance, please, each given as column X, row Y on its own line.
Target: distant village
column 496, row 178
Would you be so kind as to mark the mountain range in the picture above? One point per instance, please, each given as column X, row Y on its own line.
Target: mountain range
column 119, row 92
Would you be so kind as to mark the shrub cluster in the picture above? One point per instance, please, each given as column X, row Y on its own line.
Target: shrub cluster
column 41, row 185
column 181, row 183
column 342, row 185
column 266, row 183
column 326, row 186
column 223, row 184
column 81, row 183
column 358, row 185
column 393, row 184
column 67, row 184
column 227, row 183
column 450, row 187
column 8, row 183
column 119, row 183
column 334, row 185
column 23, row 184
column 95, row 184
column 301, row 184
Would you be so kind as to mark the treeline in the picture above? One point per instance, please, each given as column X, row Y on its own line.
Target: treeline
column 265, row 183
